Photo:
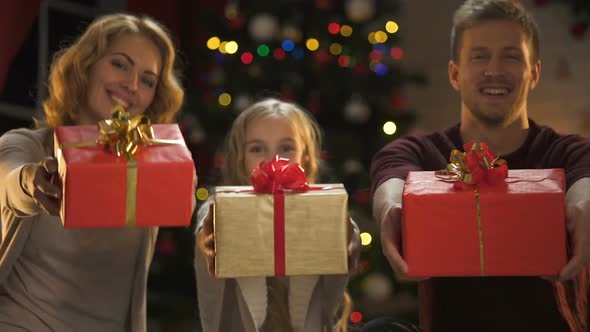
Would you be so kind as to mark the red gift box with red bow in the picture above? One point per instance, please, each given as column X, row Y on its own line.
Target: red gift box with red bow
column 477, row 218
column 280, row 225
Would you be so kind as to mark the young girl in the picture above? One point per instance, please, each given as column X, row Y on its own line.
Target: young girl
column 297, row 303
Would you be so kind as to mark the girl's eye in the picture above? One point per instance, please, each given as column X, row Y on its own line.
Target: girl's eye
column 287, row 148
column 255, row 149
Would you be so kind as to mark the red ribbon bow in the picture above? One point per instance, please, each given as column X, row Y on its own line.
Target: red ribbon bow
column 478, row 165
column 278, row 175
column 484, row 165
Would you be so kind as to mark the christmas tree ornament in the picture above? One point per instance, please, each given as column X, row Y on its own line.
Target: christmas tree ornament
column 377, row 287
column 197, row 135
column 241, row 102
column 357, row 111
column 263, row 27
column 359, row 11
column 352, row 166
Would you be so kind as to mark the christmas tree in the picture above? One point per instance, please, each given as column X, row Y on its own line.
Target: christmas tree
column 343, row 62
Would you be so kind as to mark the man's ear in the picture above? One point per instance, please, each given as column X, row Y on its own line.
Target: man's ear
column 454, row 75
column 535, row 74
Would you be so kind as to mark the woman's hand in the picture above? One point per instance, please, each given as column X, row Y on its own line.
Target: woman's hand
column 41, row 182
column 206, row 243
column 354, row 246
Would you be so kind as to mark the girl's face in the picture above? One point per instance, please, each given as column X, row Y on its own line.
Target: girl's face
column 126, row 75
column 270, row 136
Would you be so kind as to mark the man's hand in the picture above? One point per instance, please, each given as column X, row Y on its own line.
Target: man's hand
column 577, row 208
column 40, row 182
column 391, row 240
column 578, row 226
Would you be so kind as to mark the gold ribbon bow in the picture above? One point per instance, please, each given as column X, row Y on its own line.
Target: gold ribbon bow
column 122, row 136
column 456, row 169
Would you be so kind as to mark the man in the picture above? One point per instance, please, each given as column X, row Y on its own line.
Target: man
column 494, row 65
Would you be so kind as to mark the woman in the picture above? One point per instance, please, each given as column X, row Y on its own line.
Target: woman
column 56, row 279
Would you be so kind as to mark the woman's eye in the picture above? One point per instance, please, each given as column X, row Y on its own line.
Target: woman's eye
column 149, row 82
column 118, row 64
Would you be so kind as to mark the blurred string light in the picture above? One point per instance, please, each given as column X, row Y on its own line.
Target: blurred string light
column 224, row 99
column 366, row 238
column 279, row 54
column 380, row 69
column 380, row 36
column 381, row 48
column 375, row 56
column 312, row 44
column 213, row 43
column 376, row 38
column 202, row 194
column 263, row 50
column 346, row 30
column 391, row 27
column 218, row 57
column 344, row 61
column 372, row 39
column 335, row 49
column 247, row 58
column 288, row 45
column 389, row 128
column 334, row 28
column 396, row 53
column 231, row 47
column 356, row 317
column 298, row 53
column 222, row 47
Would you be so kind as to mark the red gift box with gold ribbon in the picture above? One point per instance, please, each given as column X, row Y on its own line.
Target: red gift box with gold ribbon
column 477, row 218
column 124, row 173
column 280, row 225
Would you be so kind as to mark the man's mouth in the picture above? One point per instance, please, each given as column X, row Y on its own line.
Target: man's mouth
column 495, row 91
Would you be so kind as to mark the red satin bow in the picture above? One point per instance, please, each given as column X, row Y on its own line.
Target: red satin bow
column 484, row 165
column 278, row 175
column 478, row 165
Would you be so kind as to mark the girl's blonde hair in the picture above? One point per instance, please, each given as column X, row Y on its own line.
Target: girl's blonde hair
column 70, row 69
column 306, row 128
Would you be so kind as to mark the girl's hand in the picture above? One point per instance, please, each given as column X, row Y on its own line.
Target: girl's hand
column 40, row 181
column 206, row 243
column 354, row 246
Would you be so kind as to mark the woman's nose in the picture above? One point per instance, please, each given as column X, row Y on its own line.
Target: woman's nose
column 131, row 83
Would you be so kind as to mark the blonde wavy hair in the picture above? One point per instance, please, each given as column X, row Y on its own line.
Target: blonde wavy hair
column 69, row 72
column 233, row 170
